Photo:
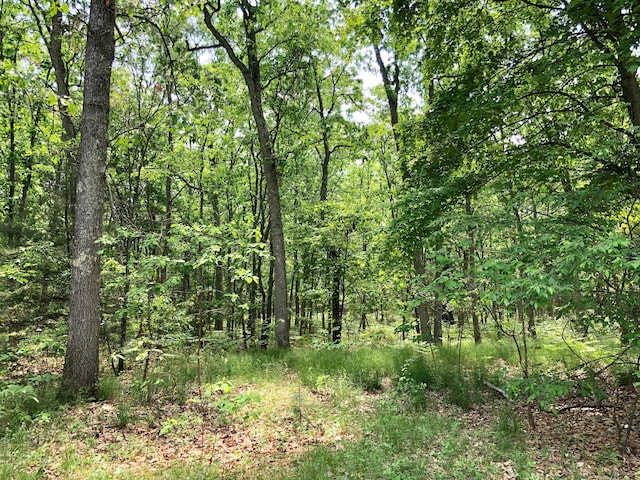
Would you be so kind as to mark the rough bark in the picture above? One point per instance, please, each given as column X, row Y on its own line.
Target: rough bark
column 630, row 93
column 60, row 70
column 81, row 367
column 422, row 310
column 66, row 172
column 392, row 89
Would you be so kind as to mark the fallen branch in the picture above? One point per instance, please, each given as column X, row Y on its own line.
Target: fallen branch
column 588, row 407
column 497, row 389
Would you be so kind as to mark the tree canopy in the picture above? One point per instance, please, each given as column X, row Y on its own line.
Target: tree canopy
column 281, row 169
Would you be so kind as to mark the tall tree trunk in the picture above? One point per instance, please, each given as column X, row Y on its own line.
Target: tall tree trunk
column 81, row 366
column 333, row 252
column 391, row 83
column 66, row 171
column 280, row 304
column 11, row 172
column 218, row 322
column 251, row 75
column 470, row 266
column 66, row 186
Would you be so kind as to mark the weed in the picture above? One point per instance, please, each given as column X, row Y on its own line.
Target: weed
column 509, row 429
column 124, row 415
column 440, row 375
column 109, row 387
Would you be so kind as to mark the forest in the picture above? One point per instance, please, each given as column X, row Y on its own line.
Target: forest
column 310, row 239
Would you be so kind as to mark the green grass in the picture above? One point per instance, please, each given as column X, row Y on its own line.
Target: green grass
column 509, row 429
column 394, row 446
column 365, row 412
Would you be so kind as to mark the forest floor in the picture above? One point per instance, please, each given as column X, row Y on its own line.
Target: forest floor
column 286, row 416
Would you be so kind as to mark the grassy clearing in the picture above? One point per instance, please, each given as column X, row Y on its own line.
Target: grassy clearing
column 357, row 412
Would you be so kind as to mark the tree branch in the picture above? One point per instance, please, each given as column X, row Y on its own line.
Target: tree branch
column 208, row 10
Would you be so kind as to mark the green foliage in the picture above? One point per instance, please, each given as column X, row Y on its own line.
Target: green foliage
column 23, row 404
column 509, row 429
column 421, row 374
column 34, row 280
column 541, row 389
column 395, row 446
column 109, row 387
column 124, row 415
column 361, row 366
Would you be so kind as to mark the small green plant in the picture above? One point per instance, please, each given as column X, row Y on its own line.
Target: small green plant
column 542, row 389
column 508, row 428
column 17, row 402
column 108, row 388
column 460, row 393
column 168, row 425
column 124, row 415
column 418, row 375
column 219, row 397
column 14, row 394
column 417, row 371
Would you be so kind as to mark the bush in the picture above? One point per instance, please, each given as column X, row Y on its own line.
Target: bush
column 417, row 376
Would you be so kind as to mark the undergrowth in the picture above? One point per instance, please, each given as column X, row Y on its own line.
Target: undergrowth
column 354, row 398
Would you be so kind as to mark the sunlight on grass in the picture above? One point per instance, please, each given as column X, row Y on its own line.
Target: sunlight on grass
column 391, row 412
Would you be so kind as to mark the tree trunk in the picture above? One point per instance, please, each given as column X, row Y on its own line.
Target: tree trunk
column 218, row 323
column 336, row 313
column 422, row 311
column 11, row 173
column 251, row 75
column 81, row 367
column 437, row 322
column 333, row 252
column 470, row 267
column 477, row 336
column 531, row 324
column 67, row 186
column 391, row 83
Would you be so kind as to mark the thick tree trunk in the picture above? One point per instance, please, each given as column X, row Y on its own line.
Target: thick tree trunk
column 280, row 300
column 630, row 93
column 81, row 367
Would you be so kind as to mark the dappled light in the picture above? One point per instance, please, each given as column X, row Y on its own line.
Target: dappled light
column 318, row 239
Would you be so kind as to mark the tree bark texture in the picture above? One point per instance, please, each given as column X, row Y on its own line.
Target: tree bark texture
column 81, row 365
column 422, row 311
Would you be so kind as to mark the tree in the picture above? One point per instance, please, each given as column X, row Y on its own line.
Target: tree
column 378, row 22
column 81, row 367
column 251, row 70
